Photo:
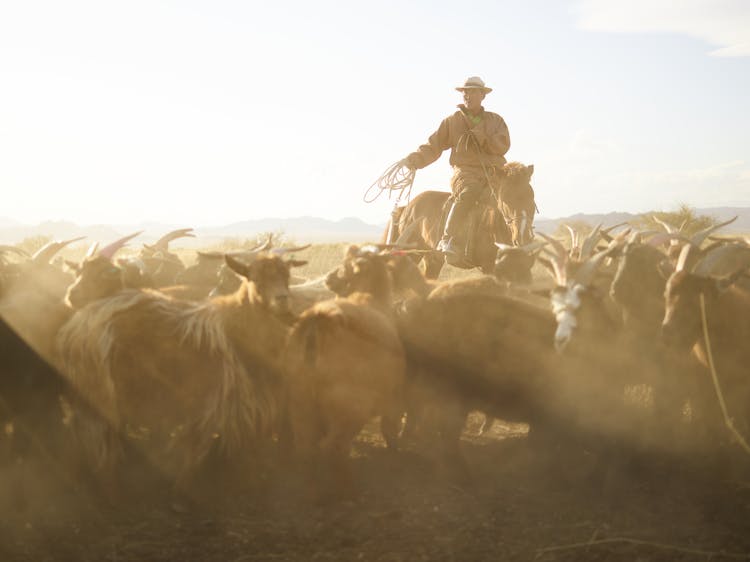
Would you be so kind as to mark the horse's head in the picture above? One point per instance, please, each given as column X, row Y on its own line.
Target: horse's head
column 516, row 201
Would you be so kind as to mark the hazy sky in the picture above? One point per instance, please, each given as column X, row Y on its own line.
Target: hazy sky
column 210, row 112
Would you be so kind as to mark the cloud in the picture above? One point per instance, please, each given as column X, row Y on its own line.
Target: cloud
column 722, row 23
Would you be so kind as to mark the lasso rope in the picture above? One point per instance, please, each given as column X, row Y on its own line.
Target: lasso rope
column 727, row 420
column 396, row 179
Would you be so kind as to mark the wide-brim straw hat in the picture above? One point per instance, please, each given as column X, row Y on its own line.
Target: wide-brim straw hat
column 474, row 83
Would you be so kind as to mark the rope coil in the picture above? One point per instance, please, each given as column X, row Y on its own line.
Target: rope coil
column 397, row 178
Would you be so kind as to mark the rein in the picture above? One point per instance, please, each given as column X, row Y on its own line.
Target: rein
column 469, row 134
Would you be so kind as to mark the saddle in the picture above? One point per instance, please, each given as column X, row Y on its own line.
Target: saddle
column 471, row 229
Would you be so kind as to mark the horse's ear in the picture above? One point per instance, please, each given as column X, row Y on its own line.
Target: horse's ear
column 530, row 168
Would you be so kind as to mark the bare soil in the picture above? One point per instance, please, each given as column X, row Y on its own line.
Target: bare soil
column 521, row 505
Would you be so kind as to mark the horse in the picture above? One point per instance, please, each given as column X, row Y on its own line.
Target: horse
column 505, row 216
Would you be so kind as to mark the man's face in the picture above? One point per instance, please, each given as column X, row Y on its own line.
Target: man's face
column 473, row 98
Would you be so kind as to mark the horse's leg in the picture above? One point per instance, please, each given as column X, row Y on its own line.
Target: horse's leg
column 433, row 264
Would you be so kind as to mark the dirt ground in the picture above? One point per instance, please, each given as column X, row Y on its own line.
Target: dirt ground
column 519, row 507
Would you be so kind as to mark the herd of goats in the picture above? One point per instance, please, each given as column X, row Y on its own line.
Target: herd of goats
column 233, row 360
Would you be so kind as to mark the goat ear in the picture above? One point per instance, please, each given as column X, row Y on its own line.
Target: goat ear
column 351, row 251
column 296, row 263
column 236, row 265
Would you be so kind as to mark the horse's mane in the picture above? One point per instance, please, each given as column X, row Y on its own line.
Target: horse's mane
column 514, row 170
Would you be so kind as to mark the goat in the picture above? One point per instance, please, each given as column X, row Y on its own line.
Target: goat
column 727, row 306
column 514, row 263
column 29, row 413
column 163, row 266
column 591, row 332
column 410, row 284
column 33, row 302
column 302, row 295
column 97, row 276
column 206, row 377
column 638, row 288
column 499, row 358
column 36, row 459
column 345, row 365
column 210, row 276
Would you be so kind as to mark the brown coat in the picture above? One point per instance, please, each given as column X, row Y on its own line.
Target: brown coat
column 491, row 134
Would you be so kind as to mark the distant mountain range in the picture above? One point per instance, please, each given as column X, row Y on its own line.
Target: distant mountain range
column 303, row 229
column 721, row 214
column 299, row 229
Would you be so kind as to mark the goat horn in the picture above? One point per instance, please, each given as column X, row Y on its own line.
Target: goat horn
column 660, row 238
column 558, row 271
column 699, row 237
column 109, row 250
column 210, row 255
column 48, row 251
column 589, row 243
column 682, row 259
column 668, row 227
column 573, row 238
column 263, row 246
column 723, row 261
column 560, row 250
column 163, row 242
column 624, row 238
column 605, row 231
column 588, row 269
column 635, row 237
column 289, row 249
column 13, row 249
column 92, row 250
column 558, row 259
column 528, row 248
column 251, row 253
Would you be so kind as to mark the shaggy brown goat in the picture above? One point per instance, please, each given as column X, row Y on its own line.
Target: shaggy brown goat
column 203, row 378
column 345, row 365
column 97, row 276
column 33, row 302
column 498, row 357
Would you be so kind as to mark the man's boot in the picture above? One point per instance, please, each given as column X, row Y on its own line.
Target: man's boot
column 453, row 244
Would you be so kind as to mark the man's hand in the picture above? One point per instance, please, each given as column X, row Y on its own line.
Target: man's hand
column 405, row 163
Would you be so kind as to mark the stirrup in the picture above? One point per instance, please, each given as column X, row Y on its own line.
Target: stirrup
column 447, row 246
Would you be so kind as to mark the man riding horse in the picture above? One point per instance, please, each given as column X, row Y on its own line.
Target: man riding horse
column 478, row 140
